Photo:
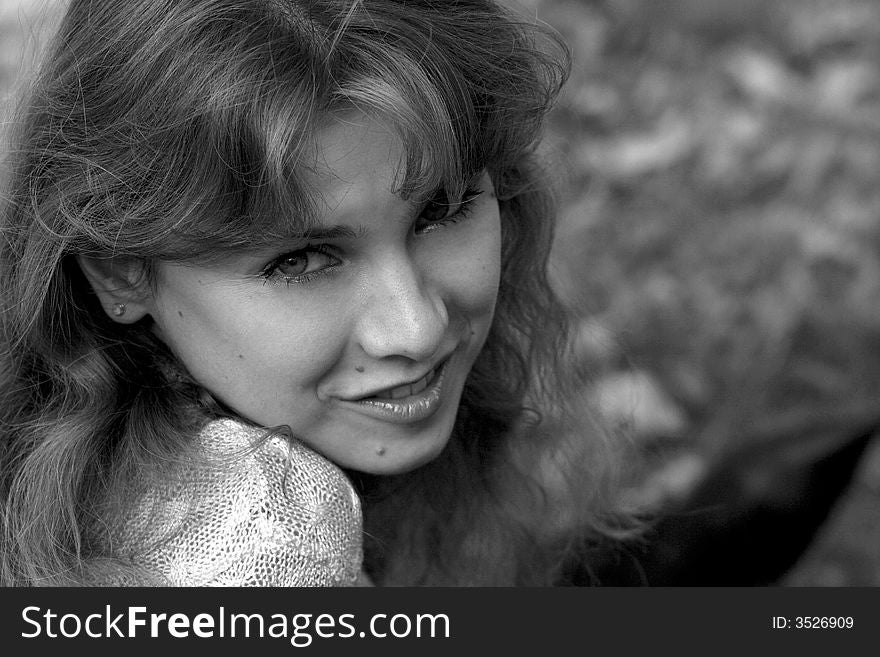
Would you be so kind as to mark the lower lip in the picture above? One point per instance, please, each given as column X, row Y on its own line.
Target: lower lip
column 406, row 410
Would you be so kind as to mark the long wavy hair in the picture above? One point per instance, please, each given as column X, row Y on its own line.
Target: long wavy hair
column 180, row 131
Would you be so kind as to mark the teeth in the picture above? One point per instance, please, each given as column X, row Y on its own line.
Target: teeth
column 402, row 391
column 408, row 389
column 418, row 386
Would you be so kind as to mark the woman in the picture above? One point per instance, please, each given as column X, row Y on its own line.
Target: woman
column 259, row 255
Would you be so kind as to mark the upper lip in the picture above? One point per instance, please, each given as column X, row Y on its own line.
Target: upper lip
column 382, row 387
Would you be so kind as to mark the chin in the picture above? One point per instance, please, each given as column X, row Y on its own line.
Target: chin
column 398, row 458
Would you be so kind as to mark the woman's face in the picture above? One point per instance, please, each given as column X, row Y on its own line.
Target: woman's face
column 359, row 336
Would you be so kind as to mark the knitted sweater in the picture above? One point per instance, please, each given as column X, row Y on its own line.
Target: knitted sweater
column 277, row 514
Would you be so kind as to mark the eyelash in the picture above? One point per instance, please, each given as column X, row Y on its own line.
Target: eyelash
column 462, row 210
column 271, row 274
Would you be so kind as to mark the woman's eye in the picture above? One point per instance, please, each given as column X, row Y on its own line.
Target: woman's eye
column 440, row 210
column 294, row 265
column 301, row 266
column 437, row 208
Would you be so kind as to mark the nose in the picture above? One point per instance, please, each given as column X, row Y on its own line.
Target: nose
column 404, row 315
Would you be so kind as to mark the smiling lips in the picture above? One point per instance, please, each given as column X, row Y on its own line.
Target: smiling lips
column 411, row 402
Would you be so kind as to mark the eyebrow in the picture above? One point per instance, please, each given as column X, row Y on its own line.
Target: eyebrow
column 330, row 233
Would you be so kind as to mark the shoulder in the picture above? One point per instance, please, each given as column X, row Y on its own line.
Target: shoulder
column 280, row 466
column 251, row 508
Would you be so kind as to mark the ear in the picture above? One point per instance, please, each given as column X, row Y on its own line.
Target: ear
column 121, row 285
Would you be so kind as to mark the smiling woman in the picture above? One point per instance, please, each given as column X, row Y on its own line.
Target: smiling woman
column 272, row 270
column 359, row 334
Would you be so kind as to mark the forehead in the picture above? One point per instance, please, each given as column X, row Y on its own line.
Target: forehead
column 358, row 161
column 348, row 162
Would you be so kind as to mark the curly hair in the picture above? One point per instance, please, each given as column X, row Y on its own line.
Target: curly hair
column 181, row 131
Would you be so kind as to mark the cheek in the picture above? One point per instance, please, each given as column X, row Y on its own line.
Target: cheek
column 479, row 292
column 296, row 343
column 477, row 271
column 240, row 342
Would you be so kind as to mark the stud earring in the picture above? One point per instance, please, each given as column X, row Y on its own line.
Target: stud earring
column 118, row 309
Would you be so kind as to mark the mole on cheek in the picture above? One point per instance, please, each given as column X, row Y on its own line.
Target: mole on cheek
column 180, row 313
column 241, row 356
column 360, row 368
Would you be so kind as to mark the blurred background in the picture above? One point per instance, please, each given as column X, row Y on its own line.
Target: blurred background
column 719, row 242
